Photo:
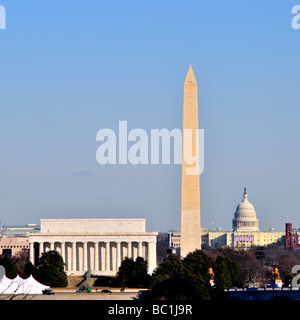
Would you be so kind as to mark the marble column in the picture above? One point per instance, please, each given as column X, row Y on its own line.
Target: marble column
column 118, row 255
column 63, row 253
column 107, row 256
column 129, row 249
column 73, row 256
column 85, row 256
column 96, row 244
column 41, row 248
column 140, row 249
column 31, row 252
column 151, row 256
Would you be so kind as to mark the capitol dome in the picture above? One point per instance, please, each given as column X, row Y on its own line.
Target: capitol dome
column 245, row 216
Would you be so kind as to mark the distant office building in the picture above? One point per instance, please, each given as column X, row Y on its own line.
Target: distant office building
column 11, row 246
column 14, row 239
column 174, row 239
column 19, row 230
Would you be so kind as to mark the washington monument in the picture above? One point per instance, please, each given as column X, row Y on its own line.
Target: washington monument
column 190, row 192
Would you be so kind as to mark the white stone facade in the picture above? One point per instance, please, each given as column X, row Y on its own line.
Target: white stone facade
column 99, row 245
column 83, row 226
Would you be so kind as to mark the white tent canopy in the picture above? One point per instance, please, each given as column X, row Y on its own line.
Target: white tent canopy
column 5, row 283
column 21, row 286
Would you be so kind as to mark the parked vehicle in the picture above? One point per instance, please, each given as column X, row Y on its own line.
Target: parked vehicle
column 48, row 291
column 105, row 291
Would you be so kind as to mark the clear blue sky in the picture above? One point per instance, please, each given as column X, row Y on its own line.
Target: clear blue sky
column 71, row 68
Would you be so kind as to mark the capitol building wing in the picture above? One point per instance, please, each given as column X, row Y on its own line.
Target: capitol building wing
column 99, row 245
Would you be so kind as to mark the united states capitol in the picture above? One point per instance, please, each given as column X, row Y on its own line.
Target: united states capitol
column 245, row 231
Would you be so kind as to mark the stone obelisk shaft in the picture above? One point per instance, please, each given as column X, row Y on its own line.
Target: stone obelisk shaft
column 190, row 193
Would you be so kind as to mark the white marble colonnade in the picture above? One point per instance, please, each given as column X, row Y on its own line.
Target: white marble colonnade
column 101, row 257
column 99, row 245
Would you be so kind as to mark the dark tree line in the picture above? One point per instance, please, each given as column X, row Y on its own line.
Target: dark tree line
column 176, row 279
column 257, row 263
column 186, row 279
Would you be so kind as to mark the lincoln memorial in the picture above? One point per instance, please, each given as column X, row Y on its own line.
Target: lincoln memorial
column 98, row 245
